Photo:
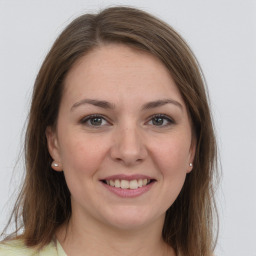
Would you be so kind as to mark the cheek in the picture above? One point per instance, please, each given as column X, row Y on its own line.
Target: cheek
column 173, row 155
column 81, row 160
column 172, row 160
column 82, row 155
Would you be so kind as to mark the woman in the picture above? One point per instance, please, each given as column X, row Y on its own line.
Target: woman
column 120, row 148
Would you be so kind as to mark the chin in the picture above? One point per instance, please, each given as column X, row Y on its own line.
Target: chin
column 132, row 218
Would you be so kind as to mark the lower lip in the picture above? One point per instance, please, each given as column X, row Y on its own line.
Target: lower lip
column 129, row 193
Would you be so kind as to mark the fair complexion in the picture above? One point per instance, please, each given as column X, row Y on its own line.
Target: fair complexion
column 122, row 122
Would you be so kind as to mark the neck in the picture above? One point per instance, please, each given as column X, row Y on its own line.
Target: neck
column 94, row 240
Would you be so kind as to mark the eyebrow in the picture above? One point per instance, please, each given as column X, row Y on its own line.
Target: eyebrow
column 107, row 105
column 159, row 103
column 97, row 103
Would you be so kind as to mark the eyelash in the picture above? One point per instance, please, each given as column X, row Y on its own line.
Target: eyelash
column 90, row 117
column 86, row 119
column 169, row 120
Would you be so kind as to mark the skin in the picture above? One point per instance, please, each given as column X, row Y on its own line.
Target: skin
column 127, row 140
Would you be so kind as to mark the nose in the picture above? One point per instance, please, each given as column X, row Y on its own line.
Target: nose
column 128, row 147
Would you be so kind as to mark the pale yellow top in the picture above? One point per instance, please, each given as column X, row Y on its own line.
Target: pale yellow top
column 17, row 248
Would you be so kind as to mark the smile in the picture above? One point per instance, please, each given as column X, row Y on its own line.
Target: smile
column 128, row 184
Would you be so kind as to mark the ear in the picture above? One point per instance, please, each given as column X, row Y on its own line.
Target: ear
column 53, row 148
column 192, row 152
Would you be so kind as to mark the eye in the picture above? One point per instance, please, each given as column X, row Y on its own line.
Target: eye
column 160, row 120
column 94, row 121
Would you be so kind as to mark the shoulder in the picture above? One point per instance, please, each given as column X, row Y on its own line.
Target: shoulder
column 18, row 248
column 15, row 247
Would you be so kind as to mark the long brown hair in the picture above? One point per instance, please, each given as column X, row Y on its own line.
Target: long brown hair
column 44, row 202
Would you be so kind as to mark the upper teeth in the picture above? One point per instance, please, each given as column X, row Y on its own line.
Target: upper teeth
column 126, row 184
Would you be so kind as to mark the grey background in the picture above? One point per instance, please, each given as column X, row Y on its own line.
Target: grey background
column 222, row 33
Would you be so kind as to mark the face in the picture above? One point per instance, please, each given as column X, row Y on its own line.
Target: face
column 123, row 138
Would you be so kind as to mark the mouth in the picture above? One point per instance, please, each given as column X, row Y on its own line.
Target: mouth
column 128, row 184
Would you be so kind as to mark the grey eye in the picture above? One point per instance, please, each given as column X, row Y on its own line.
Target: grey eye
column 96, row 121
column 158, row 121
column 161, row 120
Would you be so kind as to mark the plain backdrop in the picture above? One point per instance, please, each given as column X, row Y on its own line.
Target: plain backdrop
column 222, row 33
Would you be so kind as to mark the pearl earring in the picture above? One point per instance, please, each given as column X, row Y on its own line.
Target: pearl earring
column 191, row 165
column 54, row 164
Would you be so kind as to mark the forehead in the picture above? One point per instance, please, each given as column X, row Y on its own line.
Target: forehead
column 119, row 69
